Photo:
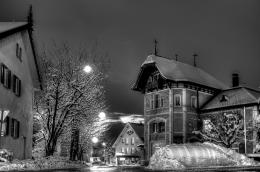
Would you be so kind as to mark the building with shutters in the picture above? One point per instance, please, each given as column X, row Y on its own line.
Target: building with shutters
column 128, row 145
column 19, row 76
column 178, row 97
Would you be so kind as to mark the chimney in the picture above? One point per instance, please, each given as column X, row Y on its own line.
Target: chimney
column 235, row 80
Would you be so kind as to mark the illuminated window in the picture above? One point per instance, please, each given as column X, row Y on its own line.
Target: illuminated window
column 123, row 150
column 132, row 140
column 5, row 122
column 132, row 150
column 177, row 100
column 126, row 141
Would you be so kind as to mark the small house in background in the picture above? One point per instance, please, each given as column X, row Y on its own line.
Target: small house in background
column 129, row 144
column 19, row 76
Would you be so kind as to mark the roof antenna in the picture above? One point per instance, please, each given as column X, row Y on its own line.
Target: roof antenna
column 155, row 47
column 194, row 59
column 176, row 57
column 30, row 18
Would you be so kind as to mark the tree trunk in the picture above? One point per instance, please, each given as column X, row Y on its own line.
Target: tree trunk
column 74, row 147
column 50, row 147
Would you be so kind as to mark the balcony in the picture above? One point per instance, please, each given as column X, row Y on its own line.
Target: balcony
column 157, row 111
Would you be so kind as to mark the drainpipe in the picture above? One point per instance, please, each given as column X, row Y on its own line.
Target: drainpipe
column 245, row 128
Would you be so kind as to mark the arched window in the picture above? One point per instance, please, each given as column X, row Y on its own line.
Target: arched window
column 177, row 100
column 161, row 127
column 157, row 127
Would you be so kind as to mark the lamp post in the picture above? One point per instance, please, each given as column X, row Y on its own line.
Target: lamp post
column 102, row 116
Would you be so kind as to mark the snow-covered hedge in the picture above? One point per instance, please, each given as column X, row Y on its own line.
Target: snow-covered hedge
column 41, row 163
column 181, row 156
column 6, row 155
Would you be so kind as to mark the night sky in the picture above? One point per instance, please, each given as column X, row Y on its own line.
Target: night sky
column 224, row 33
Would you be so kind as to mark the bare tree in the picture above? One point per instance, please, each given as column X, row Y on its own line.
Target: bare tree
column 222, row 128
column 71, row 98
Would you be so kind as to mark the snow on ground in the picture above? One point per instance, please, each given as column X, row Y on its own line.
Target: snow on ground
column 41, row 163
column 181, row 156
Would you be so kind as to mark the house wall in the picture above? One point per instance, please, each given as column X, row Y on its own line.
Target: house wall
column 20, row 107
column 180, row 121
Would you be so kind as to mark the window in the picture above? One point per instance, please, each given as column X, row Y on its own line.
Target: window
column 16, row 85
column 18, row 52
column 152, row 101
column 123, row 140
column 123, row 150
column 15, row 128
column 177, row 100
column 156, row 101
column 5, row 76
column 162, row 101
column 154, row 127
column 126, row 141
column 193, row 102
column 132, row 150
column 148, row 101
column 161, row 127
column 5, row 122
column 132, row 140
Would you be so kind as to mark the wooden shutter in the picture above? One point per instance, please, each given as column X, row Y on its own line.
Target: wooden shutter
column 9, row 79
column 2, row 73
column 17, row 129
column 7, row 125
column 17, row 50
column 12, row 128
column 14, row 83
column 19, row 87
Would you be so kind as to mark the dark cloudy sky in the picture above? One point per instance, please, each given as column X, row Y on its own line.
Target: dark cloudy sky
column 225, row 34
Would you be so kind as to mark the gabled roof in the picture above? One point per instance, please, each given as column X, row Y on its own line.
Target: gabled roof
column 138, row 129
column 237, row 96
column 113, row 131
column 177, row 71
column 9, row 28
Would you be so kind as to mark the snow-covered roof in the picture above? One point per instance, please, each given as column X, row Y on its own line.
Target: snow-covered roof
column 236, row 96
column 178, row 71
column 7, row 26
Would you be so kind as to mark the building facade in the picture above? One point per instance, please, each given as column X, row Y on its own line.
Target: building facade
column 174, row 95
column 19, row 79
column 128, row 146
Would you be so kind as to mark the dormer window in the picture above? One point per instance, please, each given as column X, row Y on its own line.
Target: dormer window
column 193, row 101
column 18, row 52
column 177, row 100
column 224, row 98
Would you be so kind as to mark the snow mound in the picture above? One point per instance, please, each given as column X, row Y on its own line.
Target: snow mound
column 181, row 156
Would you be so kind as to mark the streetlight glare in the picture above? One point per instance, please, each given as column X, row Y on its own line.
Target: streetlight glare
column 94, row 140
column 103, row 144
column 87, row 69
column 102, row 115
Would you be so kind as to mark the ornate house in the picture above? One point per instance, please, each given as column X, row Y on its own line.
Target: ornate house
column 177, row 95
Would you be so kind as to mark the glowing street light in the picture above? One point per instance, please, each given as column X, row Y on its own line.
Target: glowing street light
column 102, row 115
column 94, row 140
column 104, row 144
column 87, row 69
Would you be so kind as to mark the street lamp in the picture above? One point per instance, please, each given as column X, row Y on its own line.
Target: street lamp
column 102, row 115
column 87, row 69
column 94, row 140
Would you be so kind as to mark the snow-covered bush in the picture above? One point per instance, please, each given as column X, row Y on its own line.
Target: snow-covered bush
column 6, row 155
column 180, row 156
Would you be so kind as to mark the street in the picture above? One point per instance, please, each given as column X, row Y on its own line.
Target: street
column 142, row 169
